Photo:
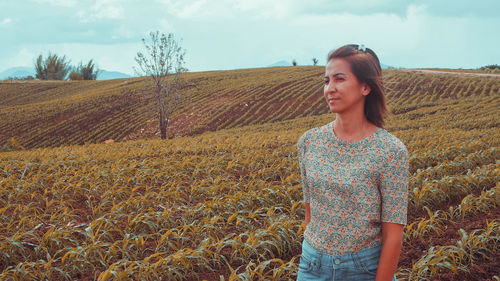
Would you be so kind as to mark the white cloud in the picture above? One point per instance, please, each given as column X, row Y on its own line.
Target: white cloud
column 264, row 9
column 166, row 26
column 118, row 57
column 103, row 9
column 192, row 9
column 226, row 34
column 5, row 21
column 451, row 41
column 176, row 8
column 123, row 32
column 109, row 12
column 62, row 3
column 108, row 9
column 25, row 56
column 231, row 9
column 378, row 31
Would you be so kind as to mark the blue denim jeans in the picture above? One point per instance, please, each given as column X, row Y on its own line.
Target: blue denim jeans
column 358, row 266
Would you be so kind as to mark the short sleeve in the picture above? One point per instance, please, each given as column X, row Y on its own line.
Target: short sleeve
column 301, row 149
column 394, row 187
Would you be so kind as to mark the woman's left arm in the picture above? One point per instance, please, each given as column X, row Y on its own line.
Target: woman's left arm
column 392, row 241
column 394, row 195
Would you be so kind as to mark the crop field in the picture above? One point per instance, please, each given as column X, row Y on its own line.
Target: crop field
column 50, row 114
column 223, row 201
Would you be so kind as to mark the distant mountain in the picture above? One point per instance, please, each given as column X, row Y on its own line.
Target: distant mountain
column 280, row 63
column 108, row 75
column 17, row 72
column 23, row 71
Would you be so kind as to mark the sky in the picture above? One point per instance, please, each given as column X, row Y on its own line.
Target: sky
column 234, row 34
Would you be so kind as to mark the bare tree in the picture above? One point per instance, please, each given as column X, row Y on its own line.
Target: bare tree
column 315, row 61
column 163, row 62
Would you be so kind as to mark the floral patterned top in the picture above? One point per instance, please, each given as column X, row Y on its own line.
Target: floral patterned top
column 352, row 187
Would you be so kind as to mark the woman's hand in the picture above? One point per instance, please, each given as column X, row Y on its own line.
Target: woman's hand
column 392, row 241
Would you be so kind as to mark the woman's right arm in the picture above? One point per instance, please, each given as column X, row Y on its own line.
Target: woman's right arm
column 308, row 212
column 301, row 149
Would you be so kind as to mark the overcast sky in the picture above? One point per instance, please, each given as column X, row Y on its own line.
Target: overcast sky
column 231, row 34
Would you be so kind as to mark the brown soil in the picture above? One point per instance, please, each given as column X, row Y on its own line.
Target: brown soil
column 61, row 117
column 486, row 269
column 452, row 73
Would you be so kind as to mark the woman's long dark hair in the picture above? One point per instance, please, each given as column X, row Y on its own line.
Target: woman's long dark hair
column 366, row 67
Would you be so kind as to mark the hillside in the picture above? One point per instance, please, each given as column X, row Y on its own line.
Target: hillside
column 54, row 113
column 227, row 204
column 198, row 207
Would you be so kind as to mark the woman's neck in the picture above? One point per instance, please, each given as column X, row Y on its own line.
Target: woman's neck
column 352, row 128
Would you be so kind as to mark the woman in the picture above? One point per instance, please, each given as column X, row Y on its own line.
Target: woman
column 355, row 178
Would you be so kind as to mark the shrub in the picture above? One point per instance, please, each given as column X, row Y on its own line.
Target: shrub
column 52, row 68
column 89, row 71
column 490, row 67
column 75, row 76
column 29, row 77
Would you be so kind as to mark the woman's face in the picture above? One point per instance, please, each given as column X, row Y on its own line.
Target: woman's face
column 342, row 90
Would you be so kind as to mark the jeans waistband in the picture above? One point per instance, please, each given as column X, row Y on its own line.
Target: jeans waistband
column 328, row 259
